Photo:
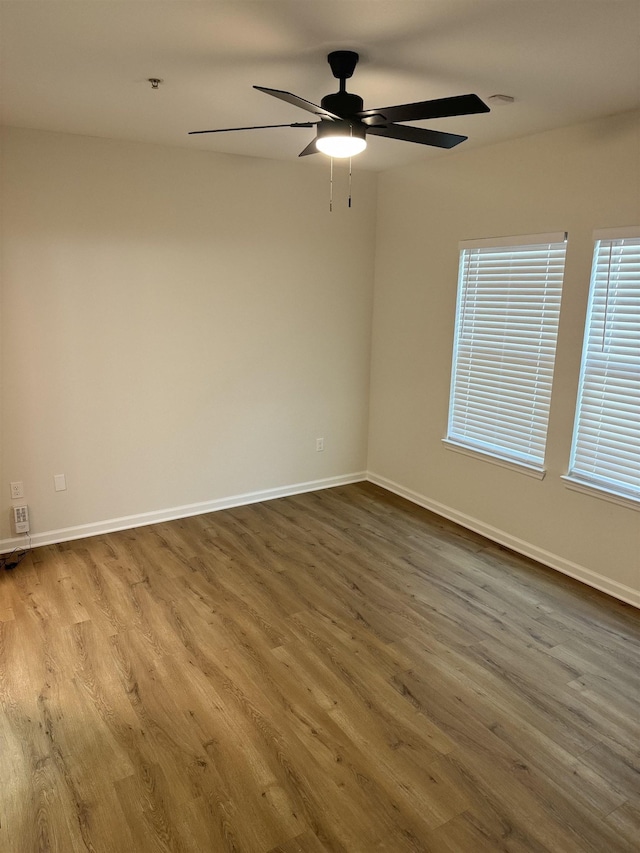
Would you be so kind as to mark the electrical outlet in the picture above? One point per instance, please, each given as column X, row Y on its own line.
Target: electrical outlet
column 21, row 519
column 17, row 490
column 319, row 444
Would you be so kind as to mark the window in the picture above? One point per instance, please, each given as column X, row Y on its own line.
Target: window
column 505, row 341
column 606, row 443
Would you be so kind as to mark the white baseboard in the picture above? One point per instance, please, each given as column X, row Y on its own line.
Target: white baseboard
column 553, row 561
column 82, row 531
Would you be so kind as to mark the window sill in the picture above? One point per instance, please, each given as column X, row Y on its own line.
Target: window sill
column 600, row 492
column 520, row 467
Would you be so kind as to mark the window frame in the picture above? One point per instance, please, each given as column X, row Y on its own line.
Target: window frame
column 606, row 488
column 546, row 316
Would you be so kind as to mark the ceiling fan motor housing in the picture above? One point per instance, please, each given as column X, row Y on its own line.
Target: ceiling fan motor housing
column 343, row 104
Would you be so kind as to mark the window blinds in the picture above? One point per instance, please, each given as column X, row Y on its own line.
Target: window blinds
column 606, row 443
column 505, row 340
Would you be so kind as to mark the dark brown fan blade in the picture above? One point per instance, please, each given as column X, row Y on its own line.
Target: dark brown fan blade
column 418, row 134
column 255, row 127
column 310, row 149
column 298, row 102
column 460, row 105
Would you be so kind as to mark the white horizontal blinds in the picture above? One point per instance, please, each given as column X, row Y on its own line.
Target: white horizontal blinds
column 606, row 444
column 506, row 329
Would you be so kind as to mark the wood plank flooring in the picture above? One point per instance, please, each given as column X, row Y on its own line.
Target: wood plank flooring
column 338, row 671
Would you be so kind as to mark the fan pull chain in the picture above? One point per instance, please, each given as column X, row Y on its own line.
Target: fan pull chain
column 349, row 201
column 331, row 188
column 349, row 181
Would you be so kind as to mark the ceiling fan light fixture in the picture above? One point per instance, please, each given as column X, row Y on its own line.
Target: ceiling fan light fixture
column 340, row 138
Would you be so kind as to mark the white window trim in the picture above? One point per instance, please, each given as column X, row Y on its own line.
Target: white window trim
column 600, row 492
column 502, row 242
column 494, row 459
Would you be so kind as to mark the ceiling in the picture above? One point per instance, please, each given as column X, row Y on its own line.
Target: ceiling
column 82, row 66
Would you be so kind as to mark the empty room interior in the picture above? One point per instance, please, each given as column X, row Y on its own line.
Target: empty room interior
column 320, row 493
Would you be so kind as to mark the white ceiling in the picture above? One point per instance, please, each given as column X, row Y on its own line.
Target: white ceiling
column 82, row 66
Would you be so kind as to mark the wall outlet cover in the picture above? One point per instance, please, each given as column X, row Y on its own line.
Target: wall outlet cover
column 17, row 490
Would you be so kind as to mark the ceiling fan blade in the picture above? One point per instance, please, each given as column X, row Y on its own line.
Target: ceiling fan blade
column 310, row 149
column 418, row 134
column 298, row 102
column 460, row 105
column 254, row 127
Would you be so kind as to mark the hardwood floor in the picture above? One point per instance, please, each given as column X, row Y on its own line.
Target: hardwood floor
column 337, row 671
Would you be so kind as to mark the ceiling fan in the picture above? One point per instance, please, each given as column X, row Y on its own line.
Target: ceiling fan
column 344, row 125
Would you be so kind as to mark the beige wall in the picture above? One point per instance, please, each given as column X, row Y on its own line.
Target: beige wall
column 574, row 179
column 178, row 327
